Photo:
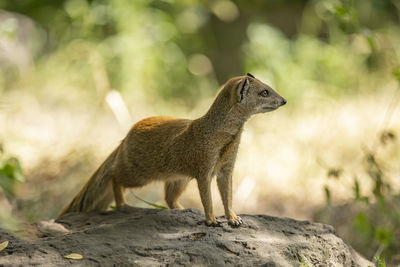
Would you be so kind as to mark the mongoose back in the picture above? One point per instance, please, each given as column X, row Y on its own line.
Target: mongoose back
column 176, row 150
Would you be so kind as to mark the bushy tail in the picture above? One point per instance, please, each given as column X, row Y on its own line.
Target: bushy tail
column 97, row 193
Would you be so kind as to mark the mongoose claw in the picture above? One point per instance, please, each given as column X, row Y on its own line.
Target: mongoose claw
column 215, row 223
column 235, row 222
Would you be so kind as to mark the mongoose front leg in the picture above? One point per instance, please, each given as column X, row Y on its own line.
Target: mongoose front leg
column 224, row 180
column 204, row 184
column 173, row 190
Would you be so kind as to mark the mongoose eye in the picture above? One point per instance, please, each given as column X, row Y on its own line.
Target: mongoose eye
column 264, row 93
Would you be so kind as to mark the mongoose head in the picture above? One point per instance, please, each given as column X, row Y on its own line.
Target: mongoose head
column 255, row 96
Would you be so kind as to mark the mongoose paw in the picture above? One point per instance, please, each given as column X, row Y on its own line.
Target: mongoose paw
column 235, row 222
column 125, row 208
column 215, row 223
column 177, row 206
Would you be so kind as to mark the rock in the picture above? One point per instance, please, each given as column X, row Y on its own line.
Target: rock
column 150, row 237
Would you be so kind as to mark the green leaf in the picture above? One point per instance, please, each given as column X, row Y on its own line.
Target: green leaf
column 341, row 11
column 7, row 184
column 10, row 172
column 327, row 195
column 18, row 173
column 357, row 189
column 396, row 73
column 362, row 225
column 7, row 170
column 335, row 172
column 152, row 204
column 384, row 236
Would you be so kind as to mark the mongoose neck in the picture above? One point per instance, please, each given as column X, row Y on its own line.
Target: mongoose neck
column 224, row 115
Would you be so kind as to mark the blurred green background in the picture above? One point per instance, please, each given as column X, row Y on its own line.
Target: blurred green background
column 76, row 74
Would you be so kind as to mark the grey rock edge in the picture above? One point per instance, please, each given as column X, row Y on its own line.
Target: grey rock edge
column 150, row 237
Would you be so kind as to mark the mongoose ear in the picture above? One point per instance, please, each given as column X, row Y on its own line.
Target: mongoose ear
column 251, row 75
column 243, row 89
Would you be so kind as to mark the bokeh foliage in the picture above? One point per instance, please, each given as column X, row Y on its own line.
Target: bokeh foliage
column 155, row 45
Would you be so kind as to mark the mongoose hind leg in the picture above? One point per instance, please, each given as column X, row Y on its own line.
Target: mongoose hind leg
column 173, row 190
column 120, row 201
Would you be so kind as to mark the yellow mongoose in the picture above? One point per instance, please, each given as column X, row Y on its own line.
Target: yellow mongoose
column 177, row 150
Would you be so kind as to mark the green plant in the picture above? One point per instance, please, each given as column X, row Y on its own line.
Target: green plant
column 374, row 214
column 10, row 173
column 379, row 262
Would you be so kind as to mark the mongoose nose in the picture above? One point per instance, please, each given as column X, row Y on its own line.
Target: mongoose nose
column 283, row 102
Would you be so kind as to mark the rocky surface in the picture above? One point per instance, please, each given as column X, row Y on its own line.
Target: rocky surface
column 150, row 237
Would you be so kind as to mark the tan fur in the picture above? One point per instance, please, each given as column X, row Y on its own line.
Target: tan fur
column 177, row 150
